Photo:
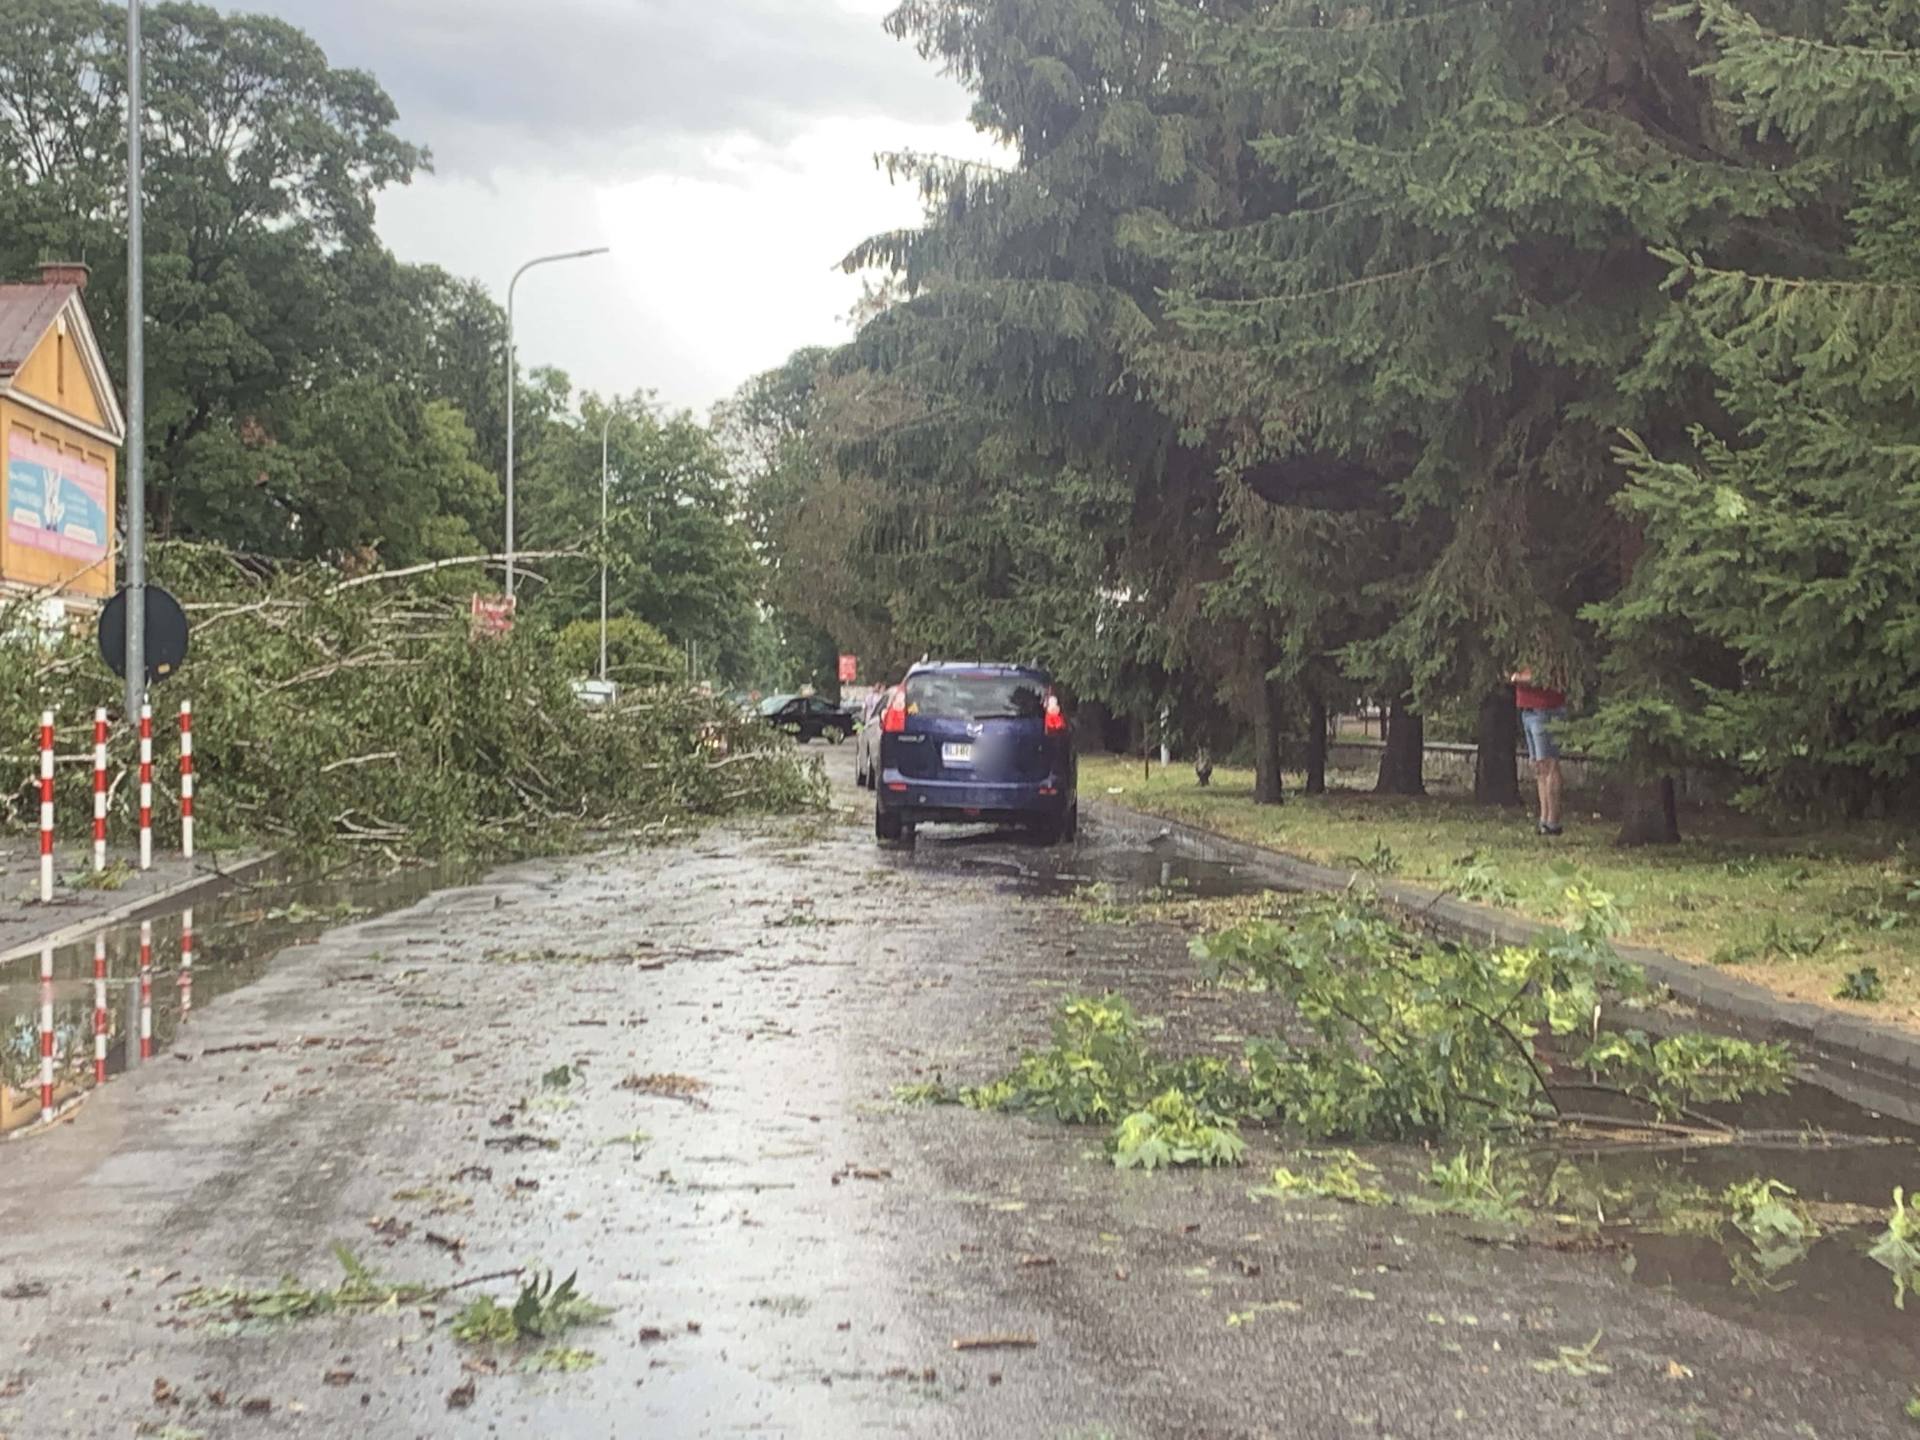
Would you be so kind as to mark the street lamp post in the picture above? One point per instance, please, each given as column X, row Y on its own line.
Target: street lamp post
column 512, row 386
column 136, row 496
column 605, row 473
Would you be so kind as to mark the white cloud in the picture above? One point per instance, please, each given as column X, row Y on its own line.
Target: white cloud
column 723, row 147
column 600, row 85
column 721, row 268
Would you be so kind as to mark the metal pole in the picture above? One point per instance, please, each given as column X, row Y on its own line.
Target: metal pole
column 512, row 384
column 136, row 496
column 605, row 472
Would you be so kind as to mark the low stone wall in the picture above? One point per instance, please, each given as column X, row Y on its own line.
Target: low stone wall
column 1452, row 765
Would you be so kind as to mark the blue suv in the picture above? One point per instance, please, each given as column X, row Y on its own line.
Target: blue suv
column 969, row 744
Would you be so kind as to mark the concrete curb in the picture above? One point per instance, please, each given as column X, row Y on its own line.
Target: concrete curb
column 1874, row 1063
column 128, row 909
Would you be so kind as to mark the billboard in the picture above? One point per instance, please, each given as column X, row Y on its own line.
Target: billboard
column 56, row 502
column 849, row 669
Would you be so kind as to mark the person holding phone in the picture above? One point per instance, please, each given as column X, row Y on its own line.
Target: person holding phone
column 1541, row 709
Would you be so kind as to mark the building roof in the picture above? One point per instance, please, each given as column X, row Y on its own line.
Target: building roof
column 27, row 312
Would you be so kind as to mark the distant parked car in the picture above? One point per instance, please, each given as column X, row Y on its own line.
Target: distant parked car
column 866, row 754
column 808, row 717
column 976, row 743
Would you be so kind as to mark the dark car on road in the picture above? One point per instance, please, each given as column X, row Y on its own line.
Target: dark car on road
column 808, row 717
column 976, row 744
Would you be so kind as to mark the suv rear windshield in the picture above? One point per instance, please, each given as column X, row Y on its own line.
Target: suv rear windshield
column 976, row 696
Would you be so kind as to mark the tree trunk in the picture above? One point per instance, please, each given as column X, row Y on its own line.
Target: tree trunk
column 1317, row 748
column 1652, row 817
column 1090, row 722
column 1496, row 770
column 1267, row 786
column 1402, row 763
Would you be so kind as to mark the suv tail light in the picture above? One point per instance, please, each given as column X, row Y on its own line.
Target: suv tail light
column 893, row 719
column 1056, row 717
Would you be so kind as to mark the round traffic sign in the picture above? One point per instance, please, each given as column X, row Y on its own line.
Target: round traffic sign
column 166, row 639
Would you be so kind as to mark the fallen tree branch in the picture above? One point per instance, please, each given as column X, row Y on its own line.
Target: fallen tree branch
column 360, row 760
column 487, row 561
column 514, row 1274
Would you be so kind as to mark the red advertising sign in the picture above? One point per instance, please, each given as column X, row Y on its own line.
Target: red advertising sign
column 849, row 669
column 492, row 614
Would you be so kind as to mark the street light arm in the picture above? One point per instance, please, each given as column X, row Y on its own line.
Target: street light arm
column 513, row 378
column 553, row 260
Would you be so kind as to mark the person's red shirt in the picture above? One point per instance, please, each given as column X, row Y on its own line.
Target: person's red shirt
column 1530, row 697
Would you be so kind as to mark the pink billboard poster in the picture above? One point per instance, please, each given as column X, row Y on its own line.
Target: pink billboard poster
column 56, row 502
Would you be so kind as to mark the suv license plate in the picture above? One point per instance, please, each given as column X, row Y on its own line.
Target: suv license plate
column 956, row 754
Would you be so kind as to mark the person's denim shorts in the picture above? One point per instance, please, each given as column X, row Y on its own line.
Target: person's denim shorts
column 1539, row 727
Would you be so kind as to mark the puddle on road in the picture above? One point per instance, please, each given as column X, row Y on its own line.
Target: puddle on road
column 236, row 933
column 1666, row 1207
column 1673, row 1195
column 1015, row 865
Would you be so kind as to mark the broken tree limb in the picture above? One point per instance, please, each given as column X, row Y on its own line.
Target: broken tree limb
column 488, row 561
column 375, row 759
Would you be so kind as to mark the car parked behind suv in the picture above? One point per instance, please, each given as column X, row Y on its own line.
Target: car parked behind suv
column 808, row 717
column 866, row 750
column 972, row 743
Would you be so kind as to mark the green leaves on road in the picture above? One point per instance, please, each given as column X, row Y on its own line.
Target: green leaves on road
column 542, row 1311
column 1406, row 1037
column 1172, row 1131
column 1099, row 1069
column 361, row 1288
column 1898, row 1247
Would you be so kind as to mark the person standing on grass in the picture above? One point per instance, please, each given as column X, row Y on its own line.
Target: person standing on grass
column 1542, row 708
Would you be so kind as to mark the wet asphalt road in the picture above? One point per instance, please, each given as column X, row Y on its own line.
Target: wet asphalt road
column 788, row 1251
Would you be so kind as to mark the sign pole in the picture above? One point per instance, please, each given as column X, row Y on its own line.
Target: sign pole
column 136, row 492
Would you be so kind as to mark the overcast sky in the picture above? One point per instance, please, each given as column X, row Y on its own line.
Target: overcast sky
column 723, row 148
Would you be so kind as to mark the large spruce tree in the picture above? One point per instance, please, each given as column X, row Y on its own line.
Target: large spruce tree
column 1774, row 619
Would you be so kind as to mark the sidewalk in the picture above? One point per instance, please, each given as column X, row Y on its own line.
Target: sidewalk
column 26, row 924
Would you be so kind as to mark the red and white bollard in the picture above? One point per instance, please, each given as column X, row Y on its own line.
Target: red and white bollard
column 146, row 989
column 46, row 1032
column 99, row 791
column 99, row 1009
column 186, row 961
column 186, row 778
column 146, row 787
column 46, row 808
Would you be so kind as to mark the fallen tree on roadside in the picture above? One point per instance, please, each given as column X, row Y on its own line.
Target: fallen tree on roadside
column 1400, row 1036
column 361, row 712
column 1414, row 1037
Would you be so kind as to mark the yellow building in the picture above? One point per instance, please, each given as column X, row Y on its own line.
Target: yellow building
column 61, row 429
